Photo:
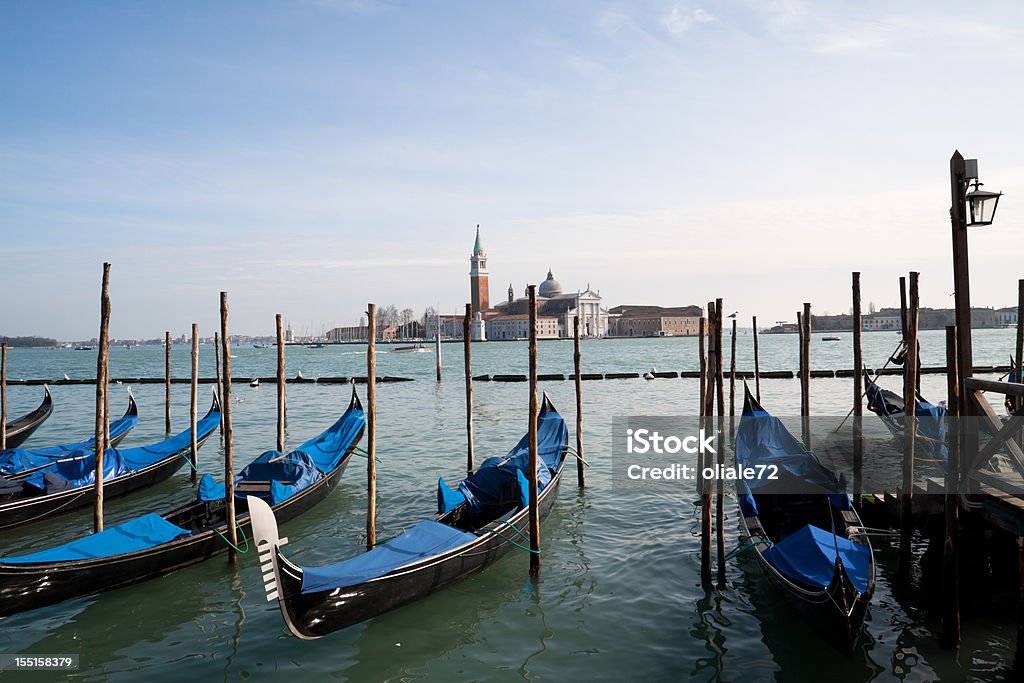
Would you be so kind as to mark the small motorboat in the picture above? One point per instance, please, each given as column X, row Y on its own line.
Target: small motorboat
column 831, row 339
column 416, row 348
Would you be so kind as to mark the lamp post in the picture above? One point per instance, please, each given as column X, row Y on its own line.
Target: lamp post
column 970, row 206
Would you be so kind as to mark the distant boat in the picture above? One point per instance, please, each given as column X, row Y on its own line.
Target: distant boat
column 317, row 345
column 416, row 348
column 261, row 346
column 831, row 339
column 83, row 348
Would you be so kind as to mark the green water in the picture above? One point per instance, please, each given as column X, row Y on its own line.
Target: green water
column 619, row 596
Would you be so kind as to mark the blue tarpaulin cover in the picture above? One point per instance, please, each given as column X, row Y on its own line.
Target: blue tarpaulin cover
column 137, row 534
column 120, row 461
column 808, row 556
column 298, row 470
column 14, row 460
column 762, row 439
column 424, row 540
column 930, row 418
column 496, row 482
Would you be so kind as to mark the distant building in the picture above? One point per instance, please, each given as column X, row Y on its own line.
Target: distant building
column 479, row 283
column 503, row 327
column 1007, row 317
column 654, row 321
column 288, row 336
column 552, row 302
column 877, row 321
column 344, row 334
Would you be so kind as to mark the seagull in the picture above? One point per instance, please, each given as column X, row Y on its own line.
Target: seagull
column 650, row 373
column 255, row 382
column 734, row 314
column 299, row 376
column 66, row 377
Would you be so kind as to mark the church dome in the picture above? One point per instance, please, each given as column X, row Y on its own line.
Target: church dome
column 550, row 287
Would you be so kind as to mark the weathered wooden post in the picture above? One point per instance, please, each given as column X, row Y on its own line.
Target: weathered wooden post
column 3, row 397
column 732, row 384
column 467, row 339
column 800, row 362
column 966, row 410
column 807, row 374
column 909, row 434
column 534, row 456
column 371, row 426
column 903, row 306
column 702, row 484
column 167, row 382
column 220, row 384
column 858, row 397
column 1020, row 343
column 282, row 414
column 757, row 363
column 950, row 575
column 578, row 365
column 102, row 368
column 229, row 440
column 193, row 408
column 720, row 481
column 437, row 345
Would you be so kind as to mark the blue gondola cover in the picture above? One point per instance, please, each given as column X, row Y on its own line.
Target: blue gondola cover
column 808, row 556
column 14, row 460
column 424, row 540
column 137, row 534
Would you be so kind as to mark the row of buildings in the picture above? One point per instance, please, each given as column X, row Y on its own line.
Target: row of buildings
column 889, row 319
column 557, row 311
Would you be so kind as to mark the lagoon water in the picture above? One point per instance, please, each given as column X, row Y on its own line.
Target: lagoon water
column 619, row 596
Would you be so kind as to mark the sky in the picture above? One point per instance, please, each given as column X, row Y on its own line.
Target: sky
column 312, row 156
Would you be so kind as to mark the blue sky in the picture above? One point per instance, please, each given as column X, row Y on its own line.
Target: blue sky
column 312, row 156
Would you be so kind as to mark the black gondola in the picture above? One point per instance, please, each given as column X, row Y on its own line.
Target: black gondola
column 931, row 424
column 68, row 484
column 153, row 545
column 19, row 462
column 802, row 527
column 477, row 524
column 21, row 428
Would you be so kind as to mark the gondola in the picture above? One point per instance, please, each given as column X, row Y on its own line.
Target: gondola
column 21, row 428
column 931, row 423
column 802, row 528
column 14, row 461
column 68, row 484
column 153, row 545
column 476, row 525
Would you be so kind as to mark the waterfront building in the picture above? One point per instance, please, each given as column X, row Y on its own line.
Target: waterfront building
column 654, row 321
column 517, row 326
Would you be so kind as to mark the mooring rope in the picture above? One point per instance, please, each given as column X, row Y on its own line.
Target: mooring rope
column 226, row 540
column 736, row 551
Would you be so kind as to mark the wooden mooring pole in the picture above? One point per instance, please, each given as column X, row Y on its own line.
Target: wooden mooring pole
column 371, row 426
column 950, row 575
column 807, row 374
column 167, row 382
column 909, row 435
column 719, row 480
column 858, row 397
column 732, row 383
column 757, row 363
column 1020, row 343
column 229, row 441
column 437, row 345
column 577, row 359
column 282, row 412
column 102, row 384
column 702, row 484
column 3, row 397
column 193, row 404
column 467, row 340
column 532, row 477
column 220, row 384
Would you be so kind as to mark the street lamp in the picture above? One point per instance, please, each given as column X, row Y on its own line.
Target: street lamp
column 981, row 203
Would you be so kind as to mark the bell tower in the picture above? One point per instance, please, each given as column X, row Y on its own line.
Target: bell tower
column 479, row 288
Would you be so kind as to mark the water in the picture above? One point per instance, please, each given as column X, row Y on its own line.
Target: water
column 619, row 596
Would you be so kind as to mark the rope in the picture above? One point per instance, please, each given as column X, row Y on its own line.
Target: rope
column 509, row 540
column 866, row 386
column 356, row 450
column 736, row 551
column 237, row 549
column 186, row 455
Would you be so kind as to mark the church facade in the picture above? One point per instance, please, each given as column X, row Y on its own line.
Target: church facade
column 557, row 307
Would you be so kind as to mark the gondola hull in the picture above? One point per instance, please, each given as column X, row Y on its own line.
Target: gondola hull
column 24, row 586
column 314, row 615
column 837, row 612
column 20, row 429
